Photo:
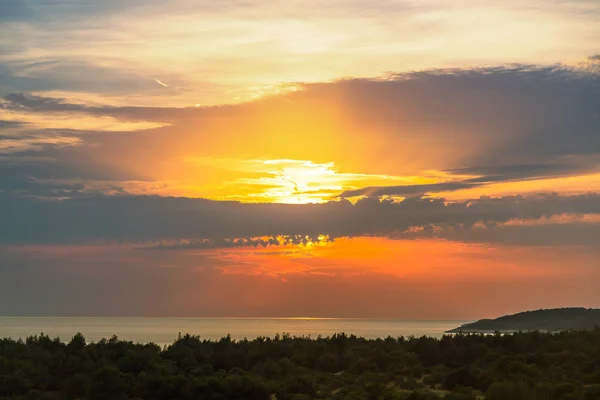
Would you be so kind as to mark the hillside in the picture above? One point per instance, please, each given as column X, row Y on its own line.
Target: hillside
column 552, row 320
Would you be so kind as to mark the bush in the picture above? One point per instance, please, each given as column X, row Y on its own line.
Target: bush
column 509, row 391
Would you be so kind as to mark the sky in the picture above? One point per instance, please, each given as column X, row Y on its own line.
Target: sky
column 284, row 158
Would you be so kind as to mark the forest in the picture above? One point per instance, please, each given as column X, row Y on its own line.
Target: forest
column 519, row 366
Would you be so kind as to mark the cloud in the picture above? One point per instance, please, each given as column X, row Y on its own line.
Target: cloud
column 483, row 176
column 36, row 141
column 89, row 217
column 506, row 123
column 576, row 234
column 16, row 102
column 61, row 16
column 473, row 127
column 406, row 190
column 257, row 242
column 11, row 124
column 63, row 74
column 238, row 42
column 15, row 10
column 525, row 171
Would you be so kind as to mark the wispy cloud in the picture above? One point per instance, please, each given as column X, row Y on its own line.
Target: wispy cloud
column 224, row 50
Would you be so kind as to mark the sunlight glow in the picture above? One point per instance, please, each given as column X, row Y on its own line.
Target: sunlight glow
column 297, row 181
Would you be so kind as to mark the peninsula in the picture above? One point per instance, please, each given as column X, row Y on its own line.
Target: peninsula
column 550, row 320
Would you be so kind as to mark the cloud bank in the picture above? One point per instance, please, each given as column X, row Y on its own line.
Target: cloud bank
column 139, row 219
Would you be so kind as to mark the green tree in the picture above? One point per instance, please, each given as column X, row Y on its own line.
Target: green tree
column 108, row 383
column 77, row 387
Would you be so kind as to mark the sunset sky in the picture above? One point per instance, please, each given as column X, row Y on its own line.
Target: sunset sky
column 424, row 159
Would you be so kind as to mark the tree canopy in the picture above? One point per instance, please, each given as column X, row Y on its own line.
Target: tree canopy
column 531, row 365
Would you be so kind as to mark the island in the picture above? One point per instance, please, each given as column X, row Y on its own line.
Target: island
column 550, row 320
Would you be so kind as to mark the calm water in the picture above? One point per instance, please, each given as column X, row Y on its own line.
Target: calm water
column 164, row 330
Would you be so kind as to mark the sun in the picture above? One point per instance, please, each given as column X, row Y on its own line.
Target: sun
column 287, row 181
column 303, row 182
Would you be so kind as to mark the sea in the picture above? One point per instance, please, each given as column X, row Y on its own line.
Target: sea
column 163, row 331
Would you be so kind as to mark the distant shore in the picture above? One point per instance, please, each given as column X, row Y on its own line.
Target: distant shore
column 547, row 321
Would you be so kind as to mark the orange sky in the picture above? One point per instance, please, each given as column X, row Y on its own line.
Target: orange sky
column 361, row 277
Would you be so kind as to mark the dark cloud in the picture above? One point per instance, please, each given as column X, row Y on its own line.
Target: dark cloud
column 45, row 163
column 517, row 113
column 11, row 124
column 406, row 190
column 297, row 240
column 486, row 175
column 39, row 104
column 503, row 173
column 19, row 101
column 572, row 233
column 151, row 218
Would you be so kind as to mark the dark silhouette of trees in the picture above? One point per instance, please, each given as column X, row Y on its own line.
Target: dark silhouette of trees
column 531, row 365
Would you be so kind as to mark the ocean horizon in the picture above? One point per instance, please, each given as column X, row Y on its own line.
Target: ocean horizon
column 164, row 330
